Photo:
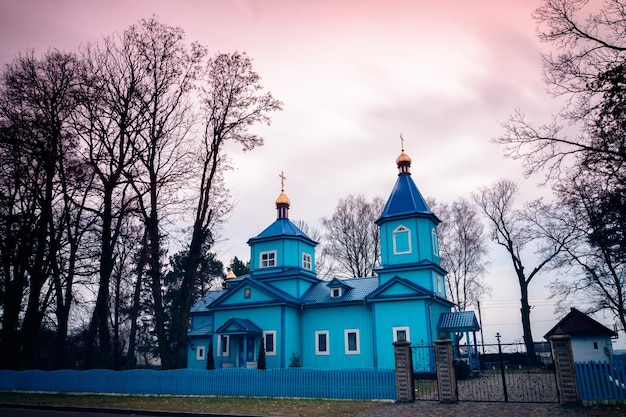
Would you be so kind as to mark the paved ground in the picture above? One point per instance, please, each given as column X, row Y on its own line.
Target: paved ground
column 480, row 409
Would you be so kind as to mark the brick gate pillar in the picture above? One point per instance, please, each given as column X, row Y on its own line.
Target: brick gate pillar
column 405, row 387
column 565, row 371
column 446, row 377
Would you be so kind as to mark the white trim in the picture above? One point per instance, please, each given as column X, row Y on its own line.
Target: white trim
column 307, row 261
column 223, row 351
column 336, row 292
column 201, row 353
column 317, row 342
column 347, row 344
column 273, row 333
column 435, row 241
column 395, row 233
column 399, row 329
column 270, row 261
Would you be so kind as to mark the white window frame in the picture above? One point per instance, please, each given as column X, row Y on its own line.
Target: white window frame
column 270, row 262
column 318, row 333
column 224, row 352
column 439, row 283
column 273, row 333
column 336, row 292
column 346, row 334
column 404, row 329
column 395, row 233
column 435, row 242
column 201, row 353
column 307, row 261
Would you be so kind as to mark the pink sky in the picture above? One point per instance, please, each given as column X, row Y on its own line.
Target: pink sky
column 352, row 75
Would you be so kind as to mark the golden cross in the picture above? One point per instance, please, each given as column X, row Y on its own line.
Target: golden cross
column 402, row 142
column 282, row 181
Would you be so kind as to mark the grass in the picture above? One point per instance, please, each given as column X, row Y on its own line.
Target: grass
column 222, row 405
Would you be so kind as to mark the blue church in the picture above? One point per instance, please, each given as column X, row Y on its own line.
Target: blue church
column 341, row 323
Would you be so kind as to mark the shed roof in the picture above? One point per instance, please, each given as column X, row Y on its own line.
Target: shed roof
column 578, row 324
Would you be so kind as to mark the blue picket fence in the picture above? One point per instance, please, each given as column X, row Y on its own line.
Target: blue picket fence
column 601, row 382
column 363, row 384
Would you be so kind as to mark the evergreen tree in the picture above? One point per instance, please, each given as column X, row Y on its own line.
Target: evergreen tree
column 210, row 361
column 261, row 361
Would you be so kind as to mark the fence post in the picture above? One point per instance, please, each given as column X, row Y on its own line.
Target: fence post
column 405, row 387
column 446, row 377
column 564, row 365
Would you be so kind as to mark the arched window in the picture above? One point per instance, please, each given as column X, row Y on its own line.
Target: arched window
column 401, row 241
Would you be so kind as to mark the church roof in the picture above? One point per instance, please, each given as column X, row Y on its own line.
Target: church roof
column 282, row 228
column 356, row 290
column 578, row 324
column 201, row 331
column 405, row 199
column 205, row 301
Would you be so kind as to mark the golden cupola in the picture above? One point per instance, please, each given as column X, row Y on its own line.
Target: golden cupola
column 403, row 161
column 282, row 202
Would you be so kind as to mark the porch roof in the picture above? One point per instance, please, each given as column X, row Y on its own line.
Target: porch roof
column 239, row 326
column 458, row 321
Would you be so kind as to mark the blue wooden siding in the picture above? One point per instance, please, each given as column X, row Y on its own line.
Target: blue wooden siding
column 367, row 384
column 295, row 287
column 421, row 241
column 601, row 382
column 414, row 315
column 238, row 296
column 336, row 320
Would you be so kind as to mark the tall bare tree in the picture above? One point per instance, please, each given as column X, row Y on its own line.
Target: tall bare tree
column 39, row 97
column 232, row 102
column 109, row 126
column 352, row 237
column 511, row 229
column 163, row 161
column 582, row 150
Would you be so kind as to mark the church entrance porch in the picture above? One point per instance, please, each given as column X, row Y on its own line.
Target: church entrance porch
column 239, row 343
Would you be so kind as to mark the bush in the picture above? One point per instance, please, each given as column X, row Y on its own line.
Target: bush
column 294, row 361
column 462, row 370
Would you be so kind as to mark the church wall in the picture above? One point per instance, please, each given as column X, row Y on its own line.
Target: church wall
column 335, row 321
column 288, row 253
column 294, row 287
column 192, row 354
column 411, row 314
column 281, row 319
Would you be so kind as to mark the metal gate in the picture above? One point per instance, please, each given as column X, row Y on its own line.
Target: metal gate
column 425, row 373
column 508, row 374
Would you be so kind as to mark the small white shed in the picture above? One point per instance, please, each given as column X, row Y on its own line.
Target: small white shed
column 591, row 341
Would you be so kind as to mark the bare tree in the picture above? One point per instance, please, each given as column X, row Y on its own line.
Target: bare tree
column 511, row 229
column 463, row 246
column 593, row 256
column 582, row 150
column 39, row 97
column 232, row 102
column 589, row 48
column 109, row 126
column 352, row 237
column 163, row 159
